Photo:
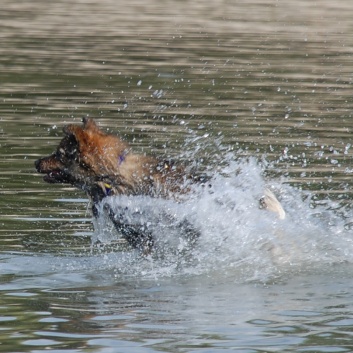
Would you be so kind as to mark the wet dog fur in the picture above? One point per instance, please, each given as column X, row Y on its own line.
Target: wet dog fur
column 103, row 165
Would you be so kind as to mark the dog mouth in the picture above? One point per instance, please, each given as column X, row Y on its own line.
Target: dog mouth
column 54, row 176
column 53, row 172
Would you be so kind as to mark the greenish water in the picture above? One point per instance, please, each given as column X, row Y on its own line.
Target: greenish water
column 259, row 90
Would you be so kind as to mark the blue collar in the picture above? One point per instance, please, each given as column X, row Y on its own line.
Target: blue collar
column 121, row 158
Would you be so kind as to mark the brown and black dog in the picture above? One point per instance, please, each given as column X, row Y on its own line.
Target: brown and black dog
column 103, row 165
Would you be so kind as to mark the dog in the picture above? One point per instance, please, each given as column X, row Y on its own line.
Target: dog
column 103, row 165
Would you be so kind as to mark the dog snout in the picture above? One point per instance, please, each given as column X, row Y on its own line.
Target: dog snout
column 37, row 164
column 41, row 165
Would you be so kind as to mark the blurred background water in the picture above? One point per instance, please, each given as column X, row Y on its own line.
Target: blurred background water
column 261, row 86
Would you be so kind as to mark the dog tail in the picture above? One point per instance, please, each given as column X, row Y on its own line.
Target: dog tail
column 270, row 202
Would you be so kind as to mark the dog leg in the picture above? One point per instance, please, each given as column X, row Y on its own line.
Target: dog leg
column 190, row 233
column 137, row 237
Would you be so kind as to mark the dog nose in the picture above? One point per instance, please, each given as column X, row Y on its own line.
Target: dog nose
column 37, row 164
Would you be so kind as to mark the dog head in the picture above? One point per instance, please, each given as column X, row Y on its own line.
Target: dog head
column 85, row 157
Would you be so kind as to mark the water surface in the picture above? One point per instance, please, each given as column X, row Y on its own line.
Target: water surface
column 257, row 94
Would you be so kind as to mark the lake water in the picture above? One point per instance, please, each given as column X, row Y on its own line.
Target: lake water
column 256, row 93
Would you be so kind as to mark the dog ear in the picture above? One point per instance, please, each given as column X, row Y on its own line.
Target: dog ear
column 76, row 132
column 81, row 133
column 90, row 125
column 72, row 129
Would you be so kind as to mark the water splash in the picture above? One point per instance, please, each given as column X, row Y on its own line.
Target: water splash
column 236, row 237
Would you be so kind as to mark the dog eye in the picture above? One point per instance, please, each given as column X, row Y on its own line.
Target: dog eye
column 71, row 154
column 60, row 153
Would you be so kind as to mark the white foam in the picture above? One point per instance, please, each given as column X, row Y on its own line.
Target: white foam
column 237, row 238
